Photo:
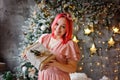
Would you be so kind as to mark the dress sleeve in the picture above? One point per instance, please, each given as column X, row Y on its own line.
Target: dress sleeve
column 71, row 51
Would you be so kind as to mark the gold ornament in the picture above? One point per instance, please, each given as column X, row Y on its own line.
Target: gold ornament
column 75, row 39
column 42, row 4
column 115, row 30
column 92, row 29
column 91, row 26
column 87, row 31
column 111, row 42
column 93, row 49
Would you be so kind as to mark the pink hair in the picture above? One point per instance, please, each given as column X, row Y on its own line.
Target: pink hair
column 69, row 25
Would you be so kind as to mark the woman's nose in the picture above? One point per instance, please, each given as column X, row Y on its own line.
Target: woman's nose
column 58, row 27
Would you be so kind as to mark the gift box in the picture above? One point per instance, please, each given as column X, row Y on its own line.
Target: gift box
column 38, row 55
column 79, row 76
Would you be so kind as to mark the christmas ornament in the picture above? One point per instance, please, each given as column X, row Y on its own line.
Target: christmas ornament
column 87, row 31
column 93, row 49
column 111, row 42
column 43, row 27
column 24, row 68
column 115, row 30
column 75, row 39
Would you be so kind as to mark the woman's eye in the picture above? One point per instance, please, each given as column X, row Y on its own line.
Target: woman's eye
column 63, row 26
column 56, row 23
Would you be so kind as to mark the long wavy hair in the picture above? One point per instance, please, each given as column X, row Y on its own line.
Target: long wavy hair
column 69, row 26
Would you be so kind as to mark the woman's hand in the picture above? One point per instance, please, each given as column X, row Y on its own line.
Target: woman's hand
column 52, row 62
column 23, row 55
column 69, row 67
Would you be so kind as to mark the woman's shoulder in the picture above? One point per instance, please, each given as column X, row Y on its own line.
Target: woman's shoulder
column 71, row 42
column 71, row 50
column 43, row 37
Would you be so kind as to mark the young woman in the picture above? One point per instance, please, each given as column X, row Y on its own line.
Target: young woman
column 59, row 42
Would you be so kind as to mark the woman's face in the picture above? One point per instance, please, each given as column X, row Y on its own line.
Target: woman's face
column 60, row 28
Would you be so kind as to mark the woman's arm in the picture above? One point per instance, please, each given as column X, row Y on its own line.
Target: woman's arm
column 69, row 67
column 23, row 55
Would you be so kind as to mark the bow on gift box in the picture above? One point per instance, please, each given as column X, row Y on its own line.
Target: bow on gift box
column 36, row 52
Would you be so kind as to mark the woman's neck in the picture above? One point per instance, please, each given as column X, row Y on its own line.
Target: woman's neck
column 57, row 37
column 53, row 42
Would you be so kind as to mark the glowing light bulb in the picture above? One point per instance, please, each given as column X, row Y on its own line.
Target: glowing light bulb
column 80, row 68
column 91, row 70
column 98, row 63
column 103, row 66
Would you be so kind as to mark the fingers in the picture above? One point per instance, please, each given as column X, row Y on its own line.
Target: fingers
column 23, row 55
column 49, row 64
column 45, row 67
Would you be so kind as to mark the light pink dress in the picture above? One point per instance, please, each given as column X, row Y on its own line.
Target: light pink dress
column 63, row 52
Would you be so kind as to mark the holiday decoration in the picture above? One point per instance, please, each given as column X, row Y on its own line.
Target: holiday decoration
column 111, row 42
column 87, row 31
column 93, row 49
column 75, row 39
column 116, row 30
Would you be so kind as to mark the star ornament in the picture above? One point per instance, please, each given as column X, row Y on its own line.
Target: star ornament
column 93, row 49
column 75, row 39
column 87, row 31
column 111, row 42
column 116, row 30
